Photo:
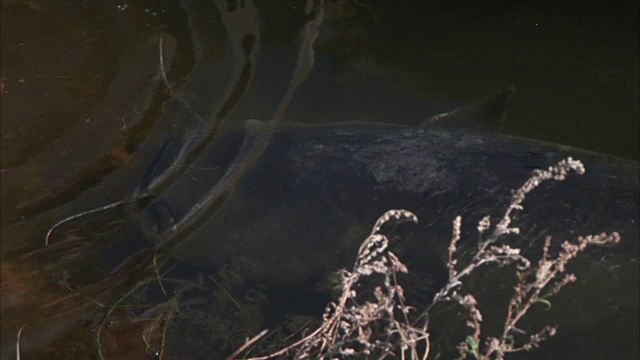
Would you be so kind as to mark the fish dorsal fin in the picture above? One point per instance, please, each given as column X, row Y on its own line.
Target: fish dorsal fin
column 486, row 114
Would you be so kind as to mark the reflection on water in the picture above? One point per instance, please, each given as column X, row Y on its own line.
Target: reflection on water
column 86, row 110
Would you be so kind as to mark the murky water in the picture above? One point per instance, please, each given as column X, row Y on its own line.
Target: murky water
column 85, row 109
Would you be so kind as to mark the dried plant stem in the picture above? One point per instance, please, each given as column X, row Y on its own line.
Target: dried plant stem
column 18, row 342
column 347, row 328
column 247, row 344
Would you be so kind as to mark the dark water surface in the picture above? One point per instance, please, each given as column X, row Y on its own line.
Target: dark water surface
column 84, row 100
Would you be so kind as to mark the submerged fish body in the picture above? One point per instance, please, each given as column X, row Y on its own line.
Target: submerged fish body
column 302, row 208
column 299, row 199
column 296, row 200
